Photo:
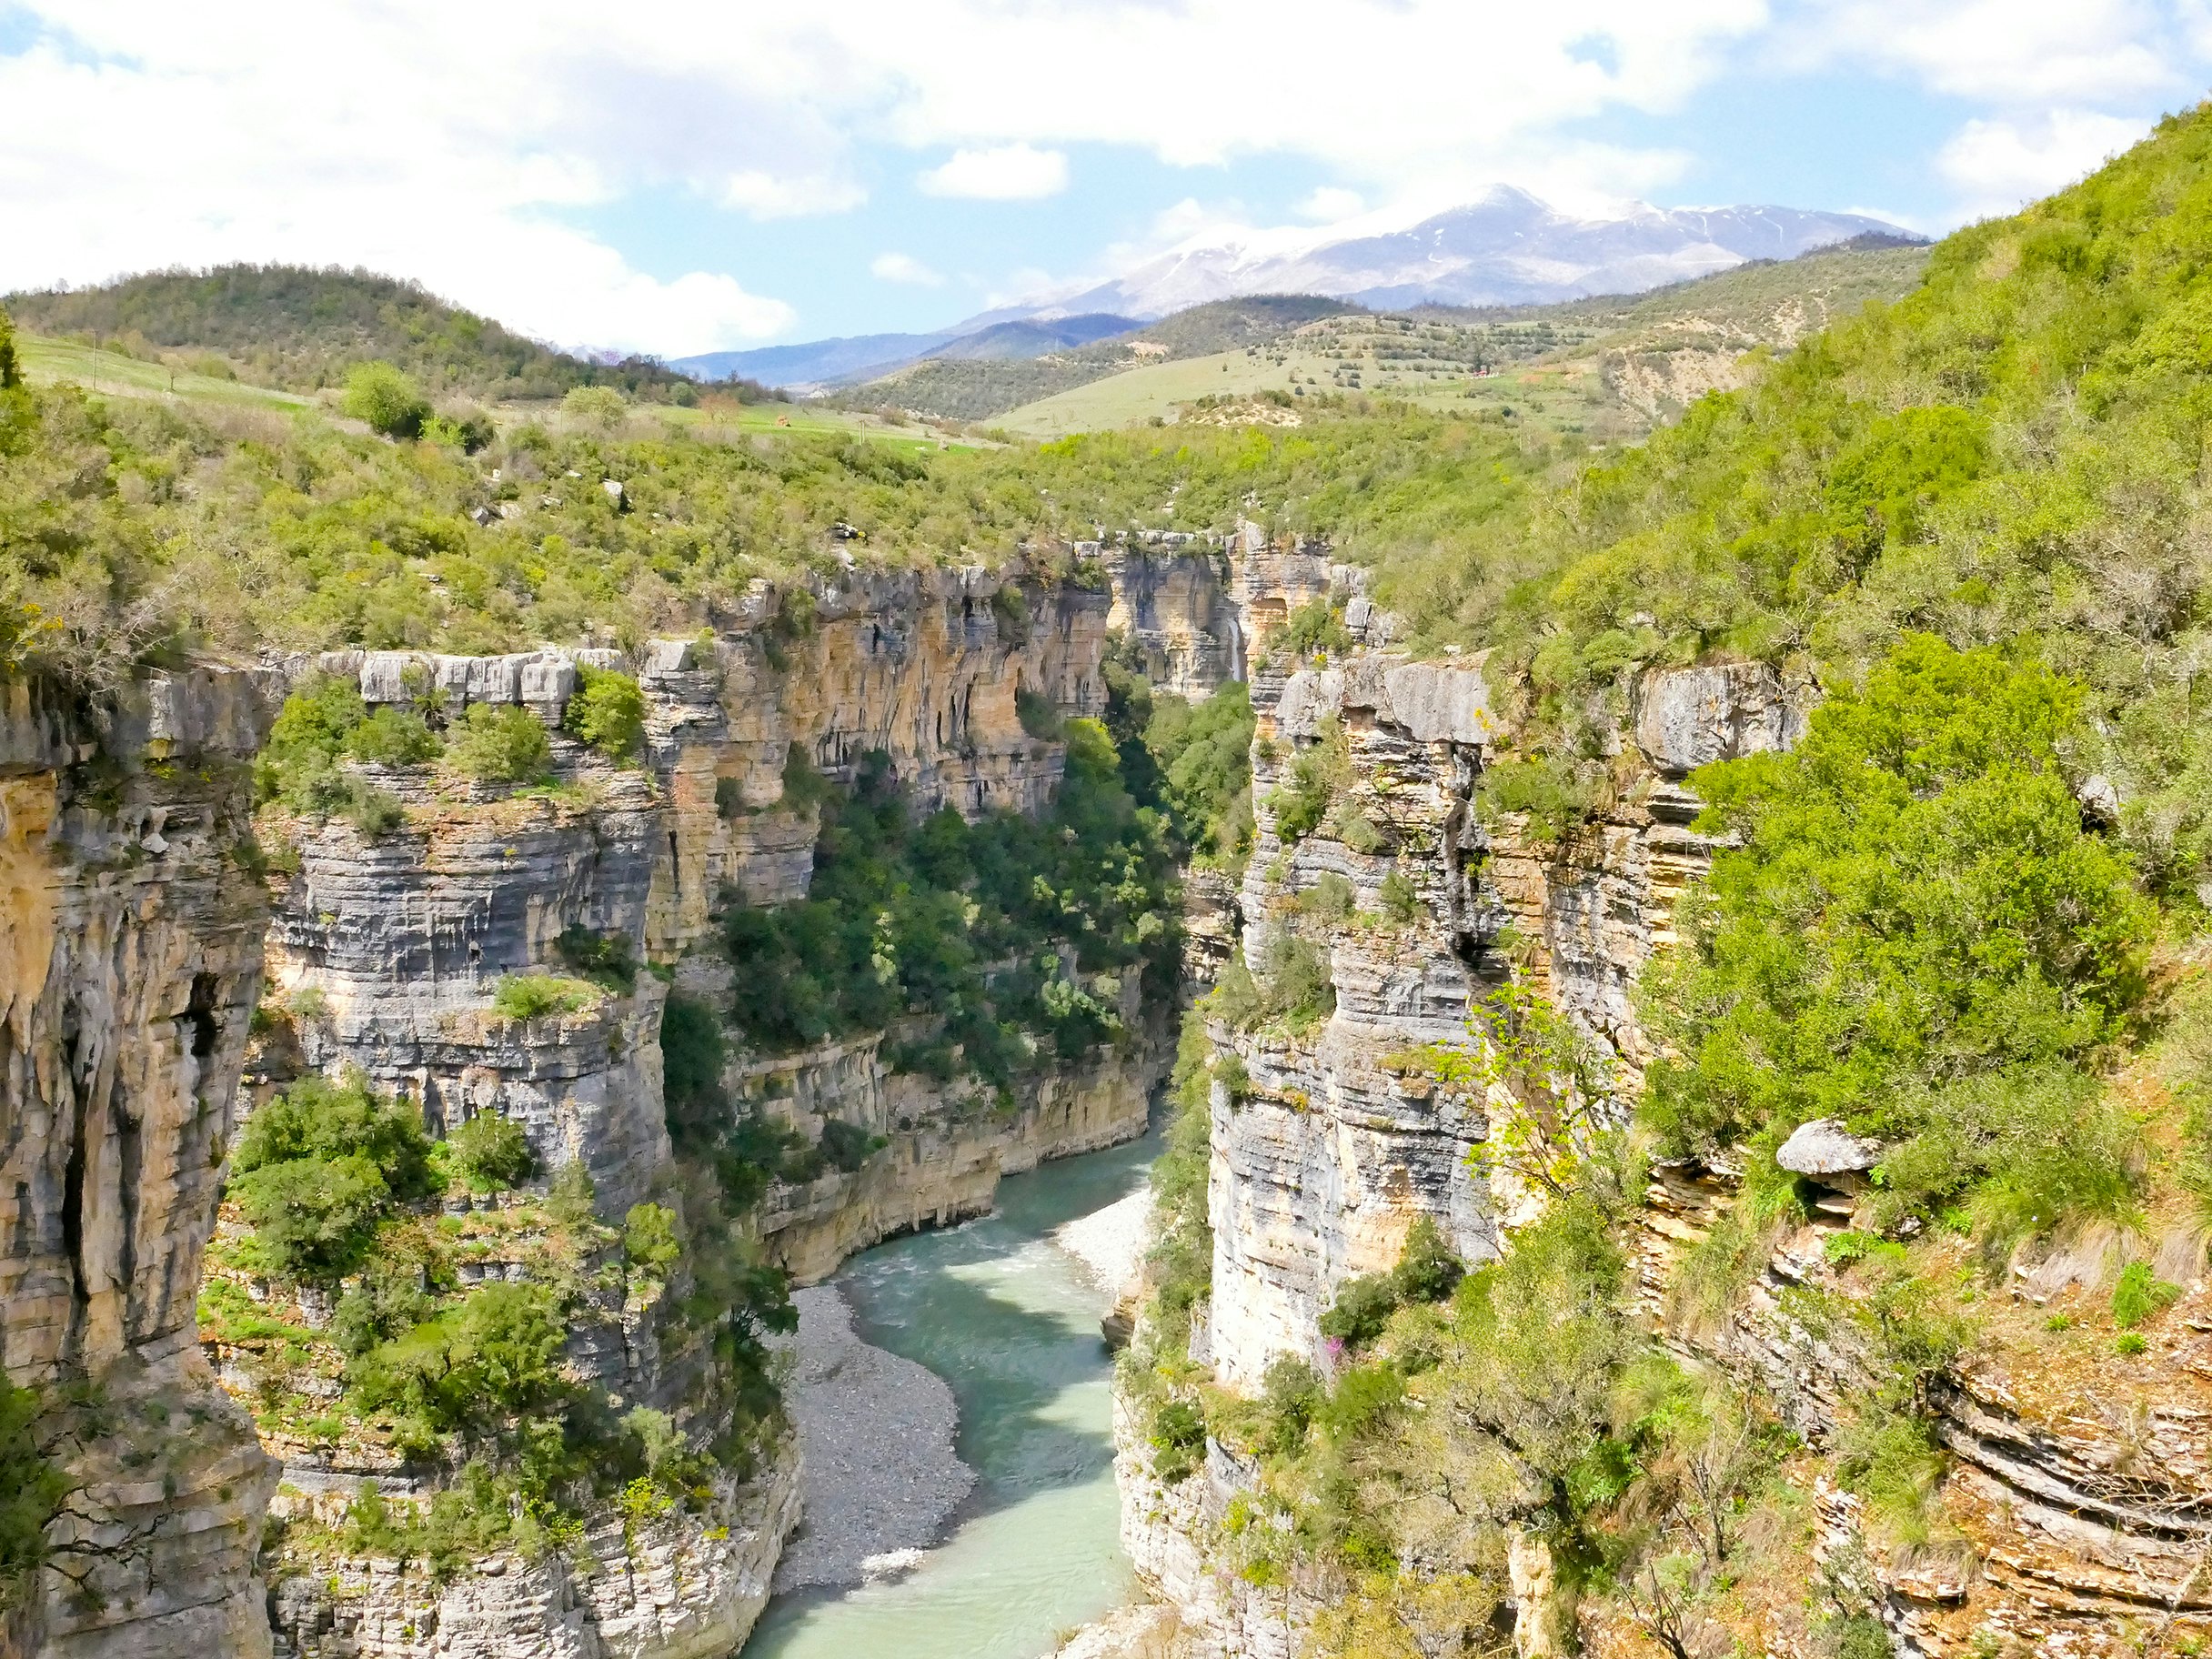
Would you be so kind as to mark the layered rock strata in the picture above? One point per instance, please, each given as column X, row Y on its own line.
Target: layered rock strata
column 1336, row 1137
column 131, row 924
column 388, row 955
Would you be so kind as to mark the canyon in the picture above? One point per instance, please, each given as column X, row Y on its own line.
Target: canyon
column 167, row 974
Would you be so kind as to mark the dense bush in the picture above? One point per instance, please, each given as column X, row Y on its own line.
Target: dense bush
column 1916, row 936
column 31, row 1485
column 532, row 996
column 387, row 399
column 607, row 710
column 502, row 745
column 490, row 1152
column 319, row 1166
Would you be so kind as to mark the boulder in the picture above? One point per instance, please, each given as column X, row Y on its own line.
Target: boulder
column 1689, row 718
column 1825, row 1147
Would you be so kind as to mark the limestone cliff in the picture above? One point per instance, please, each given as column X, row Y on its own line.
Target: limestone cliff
column 131, row 925
column 1334, row 1138
column 386, row 955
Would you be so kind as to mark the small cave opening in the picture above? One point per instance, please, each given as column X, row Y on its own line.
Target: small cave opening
column 199, row 1013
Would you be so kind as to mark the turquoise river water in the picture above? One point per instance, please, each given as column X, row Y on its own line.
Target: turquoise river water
column 1011, row 1322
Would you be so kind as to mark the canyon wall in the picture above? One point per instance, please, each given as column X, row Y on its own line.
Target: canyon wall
column 131, row 925
column 1336, row 1138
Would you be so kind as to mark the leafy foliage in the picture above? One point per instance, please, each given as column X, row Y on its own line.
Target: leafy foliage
column 31, row 1487
column 491, row 1152
column 319, row 1166
column 500, row 745
column 532, row 996
column 906, row 917
column 1916, row 935
column 387, row 399
column 608, row 711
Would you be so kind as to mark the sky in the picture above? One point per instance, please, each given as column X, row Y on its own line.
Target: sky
column 672, row 176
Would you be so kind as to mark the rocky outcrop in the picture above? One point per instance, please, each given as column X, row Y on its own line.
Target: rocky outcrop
column 1322, row 1165
column 1172, row 1532
column 1331, row 1138
column 387, row 955
column 131, row 923
column 680, row 1586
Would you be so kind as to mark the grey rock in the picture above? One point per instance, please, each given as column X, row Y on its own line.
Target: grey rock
column 2098, row 799
column 1689, row 718
column 1824, row 1147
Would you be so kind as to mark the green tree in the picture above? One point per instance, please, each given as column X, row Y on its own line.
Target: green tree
column 1916, row 934
column 607, row 710
column 31, row 1487
column 501, row 744
column 386, row 398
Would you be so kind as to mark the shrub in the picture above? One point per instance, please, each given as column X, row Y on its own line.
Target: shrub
column 848, row 1146
column 595, row 406
column 317, row 1169
column 493, row 1357
column 1362, row 1307
column 1296, row 976
column 387, row 399
column 691, row 1055
column 532, row 996
column 2138, row 1295
column 1039, row 714
column 606, row 958
column 2131, row 1344
column 650, row 1240
column 1291, row 1393
column 1429, row 1271
column 393, row 736
column 1178, row 1440
column 607, row 710
column 1330, row 898
column 502, row 745
column 491, row 1152
column 1317, row 773
column 1401, row 901
column 1318, row 624
column 1550, row 790
column 31, row 1487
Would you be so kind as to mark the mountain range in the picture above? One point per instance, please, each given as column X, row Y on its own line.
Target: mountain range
column 1504, row 247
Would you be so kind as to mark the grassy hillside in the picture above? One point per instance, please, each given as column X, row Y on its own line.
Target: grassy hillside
column 299, row 329
column 950, row 385
column 1606, row 368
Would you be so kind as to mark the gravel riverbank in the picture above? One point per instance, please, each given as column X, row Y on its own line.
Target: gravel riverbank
column 1111, row 1242
column 875, row 1432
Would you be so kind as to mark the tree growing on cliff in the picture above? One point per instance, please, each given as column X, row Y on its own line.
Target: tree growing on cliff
column 1917, row 935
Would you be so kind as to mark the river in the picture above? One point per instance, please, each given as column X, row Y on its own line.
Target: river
column 1011, row 1323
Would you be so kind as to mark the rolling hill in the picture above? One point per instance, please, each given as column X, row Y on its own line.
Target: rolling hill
column 296, row 329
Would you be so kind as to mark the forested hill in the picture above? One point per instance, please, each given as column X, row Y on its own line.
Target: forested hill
column 299, row 330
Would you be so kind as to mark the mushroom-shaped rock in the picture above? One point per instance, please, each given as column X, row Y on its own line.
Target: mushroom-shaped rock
column 1824, row 1147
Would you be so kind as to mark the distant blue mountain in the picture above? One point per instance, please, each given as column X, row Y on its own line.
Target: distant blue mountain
column 863, row 357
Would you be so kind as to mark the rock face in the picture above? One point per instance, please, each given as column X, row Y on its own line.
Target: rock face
column 1340, row 1135
column 667, row 1587
column 131, row 930
column 1322, row 1167
column 389, row 953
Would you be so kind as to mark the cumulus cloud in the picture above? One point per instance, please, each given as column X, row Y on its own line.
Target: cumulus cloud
column 1006, row 173
column 479, row 147
column 2000, row 165
column 764, row 195
column 904, row 268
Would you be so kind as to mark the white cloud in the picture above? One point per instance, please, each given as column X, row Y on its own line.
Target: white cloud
column 1329, row 203
column 2022, row 53
column 1007, row 173
column 764, row 195
column 475, row 145
column 904, row 268
column 2000, row 165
